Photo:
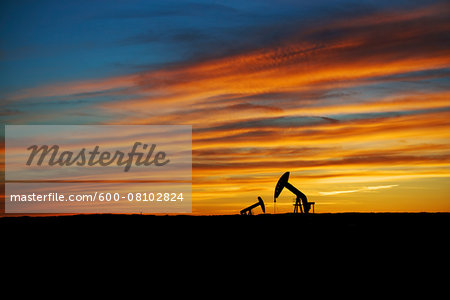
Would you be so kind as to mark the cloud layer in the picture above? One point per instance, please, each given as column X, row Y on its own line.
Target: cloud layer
column 357, row 96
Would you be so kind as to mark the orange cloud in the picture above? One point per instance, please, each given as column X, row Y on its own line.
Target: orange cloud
column 73, row 88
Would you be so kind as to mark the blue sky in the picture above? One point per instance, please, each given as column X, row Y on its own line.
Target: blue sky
column 46, row 41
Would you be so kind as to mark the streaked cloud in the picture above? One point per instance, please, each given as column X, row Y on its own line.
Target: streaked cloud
column 365, row 189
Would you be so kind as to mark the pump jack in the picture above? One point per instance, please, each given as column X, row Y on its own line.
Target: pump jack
column 248, row 210
column 282, row 183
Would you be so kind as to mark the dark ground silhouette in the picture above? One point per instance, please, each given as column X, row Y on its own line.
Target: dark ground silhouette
column 311, row 224
column 286, row 238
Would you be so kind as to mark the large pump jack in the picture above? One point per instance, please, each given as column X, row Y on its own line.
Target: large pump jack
column 282, row 183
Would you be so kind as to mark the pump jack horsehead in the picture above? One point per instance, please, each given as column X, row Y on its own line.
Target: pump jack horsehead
column 282, row 183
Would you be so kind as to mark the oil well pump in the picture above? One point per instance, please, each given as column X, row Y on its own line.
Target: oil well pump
column 304, row 206
column 248, row 210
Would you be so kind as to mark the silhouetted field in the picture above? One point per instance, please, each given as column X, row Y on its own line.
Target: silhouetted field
column 280, row 238
column 312, row 224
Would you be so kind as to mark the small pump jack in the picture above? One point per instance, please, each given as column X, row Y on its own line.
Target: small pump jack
column 282, row 183
column 248, row 211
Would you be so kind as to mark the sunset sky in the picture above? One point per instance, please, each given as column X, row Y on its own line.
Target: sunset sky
column 351, row 97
